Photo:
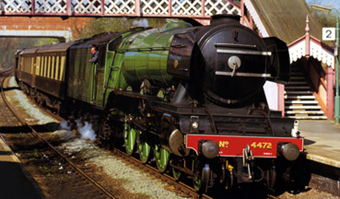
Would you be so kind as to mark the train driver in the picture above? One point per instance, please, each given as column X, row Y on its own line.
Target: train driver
column 94, row 52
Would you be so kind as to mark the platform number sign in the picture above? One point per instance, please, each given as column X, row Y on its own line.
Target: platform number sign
column 328, row 34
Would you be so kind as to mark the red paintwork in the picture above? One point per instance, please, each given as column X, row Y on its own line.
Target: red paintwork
column 235, row 145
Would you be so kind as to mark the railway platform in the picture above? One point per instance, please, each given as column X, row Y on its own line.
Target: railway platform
column 322, row 152
column 15, row 181
column 322, row 141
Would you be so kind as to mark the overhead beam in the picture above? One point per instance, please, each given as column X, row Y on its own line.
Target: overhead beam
column 61, row 35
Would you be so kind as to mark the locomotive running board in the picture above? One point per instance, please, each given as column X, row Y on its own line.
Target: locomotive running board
column 232, row 146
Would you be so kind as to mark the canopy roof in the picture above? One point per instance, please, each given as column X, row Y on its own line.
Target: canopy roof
column 285, row 19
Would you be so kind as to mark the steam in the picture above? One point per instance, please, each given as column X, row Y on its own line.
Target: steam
column 65, row 126
column 84, row 128
column 87, row 132
column 142, row 22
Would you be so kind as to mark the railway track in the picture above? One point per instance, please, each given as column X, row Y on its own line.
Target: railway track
column 88, row 180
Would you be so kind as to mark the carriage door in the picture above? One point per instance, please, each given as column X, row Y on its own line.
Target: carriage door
column 33, row 68
column 20, row 65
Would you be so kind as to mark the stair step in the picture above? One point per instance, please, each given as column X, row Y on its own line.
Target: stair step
column 299, row 92
column 301, row 102
column 305, row 112
column 302, row 107
column 299, row 83
column 297, row 77
column 298, row 87
column 305, row 97
column 308, row 117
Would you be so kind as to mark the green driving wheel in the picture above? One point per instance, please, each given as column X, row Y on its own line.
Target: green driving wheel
column 129, row 138
column 162, row 158
column 175, row 172
column 197, row 179
column 197, row 183
column 144, row 148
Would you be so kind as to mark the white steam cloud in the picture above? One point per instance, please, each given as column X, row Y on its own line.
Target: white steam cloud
column 85, row 129
column 87, row 132
column 65, row 126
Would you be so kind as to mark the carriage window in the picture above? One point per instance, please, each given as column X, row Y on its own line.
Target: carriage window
column 57, row 68
column 42, row 66
column 52, row 68
column 49, row 67
column 62, row 64
column 32, row 64
column 37, row 70
column 45, row 67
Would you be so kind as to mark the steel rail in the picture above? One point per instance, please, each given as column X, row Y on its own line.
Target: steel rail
column 2, row 137
column 51, row 146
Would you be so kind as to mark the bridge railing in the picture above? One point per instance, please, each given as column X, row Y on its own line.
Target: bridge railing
column 130, row 8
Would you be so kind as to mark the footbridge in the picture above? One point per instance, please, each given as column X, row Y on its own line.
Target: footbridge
column 198, row 9
column 51, row 18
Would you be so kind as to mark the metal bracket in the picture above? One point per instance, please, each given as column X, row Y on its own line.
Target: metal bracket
column 247, row 158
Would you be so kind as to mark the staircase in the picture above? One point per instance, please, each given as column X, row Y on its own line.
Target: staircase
column 300, row 103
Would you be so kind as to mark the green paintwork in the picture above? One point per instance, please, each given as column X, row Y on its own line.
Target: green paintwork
column 144, row 148
column 141, row 55
column 146, row 58
column 129, row 137
column 197, row 180
column 162, row 158
column 176, row 173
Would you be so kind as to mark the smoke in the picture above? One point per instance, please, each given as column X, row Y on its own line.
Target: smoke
column 142, row 22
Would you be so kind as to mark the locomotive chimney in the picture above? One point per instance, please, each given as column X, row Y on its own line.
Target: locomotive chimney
column 224, row 19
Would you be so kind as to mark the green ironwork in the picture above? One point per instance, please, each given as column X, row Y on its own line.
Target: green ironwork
column 337, row 98
column 197, row 183
column 162, row 158
column 144, row 148
column 197, row 180
column 175, row 172
column 129, row 137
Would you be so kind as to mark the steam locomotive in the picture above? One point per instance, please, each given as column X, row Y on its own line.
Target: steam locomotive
column 188, row 99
